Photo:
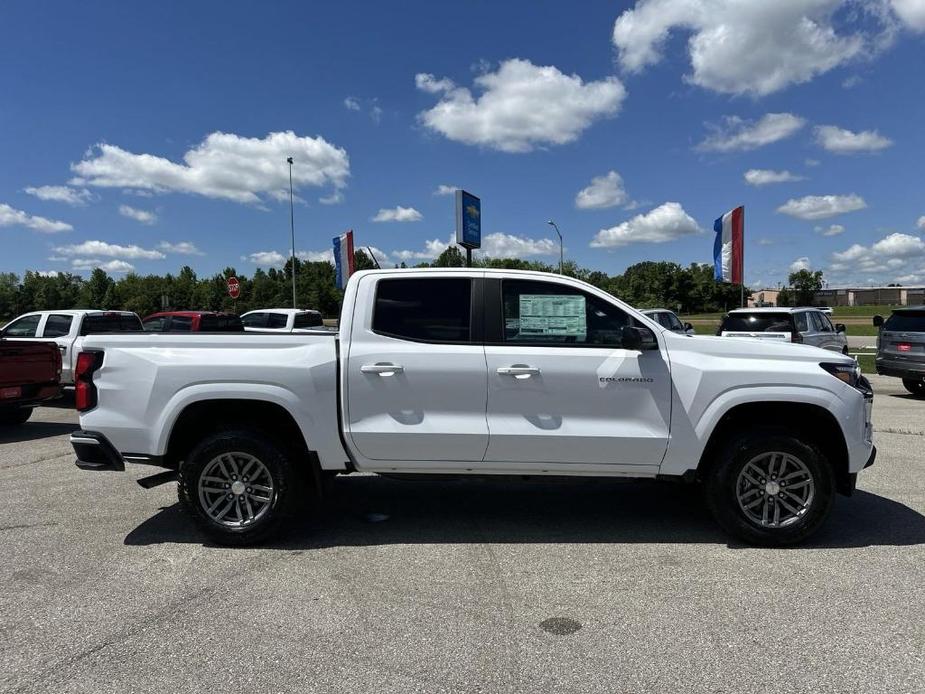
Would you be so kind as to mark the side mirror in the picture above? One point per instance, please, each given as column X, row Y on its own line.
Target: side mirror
column 840, row 328
column 688, row 326
column 878, row 321
column 637, row 339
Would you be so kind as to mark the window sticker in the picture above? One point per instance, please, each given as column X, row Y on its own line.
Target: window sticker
column 553, row 314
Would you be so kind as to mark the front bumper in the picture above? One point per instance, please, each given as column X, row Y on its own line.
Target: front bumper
column 95, row 452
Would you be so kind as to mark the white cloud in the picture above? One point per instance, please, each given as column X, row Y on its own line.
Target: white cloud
column 841, row 141
column 224, row 166
column 316, row 256
column 813, row 207
column 896, row 257
column 107, row 265
column 446, row 190
column 522, row 106
column 666, row 222
column 335, row 198
column 831, row 230
column 740, row 135
column 181, row 248
column 143, row 216
column 763, row 177
column 65, row 194
column 765, row 242
column 351, row 103
column 398, row 214
column 801, row 264
column 921, row 222
column 111, row 250
column 267, row 258
column 47, row 273
column 604, row 191
column 500, row 245
column 755, row 47
column 10, row 216
column 911, row 12
column 811, row 162
column 431, row 250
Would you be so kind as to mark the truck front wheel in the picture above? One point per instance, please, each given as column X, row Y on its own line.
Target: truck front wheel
column 769, row 488
column 239, row 487
column 916, row 386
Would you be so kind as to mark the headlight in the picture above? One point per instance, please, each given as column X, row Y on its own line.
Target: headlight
column 849, row 373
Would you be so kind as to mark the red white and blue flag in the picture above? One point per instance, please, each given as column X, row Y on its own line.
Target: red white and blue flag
column 343, row 258
column 729, row 246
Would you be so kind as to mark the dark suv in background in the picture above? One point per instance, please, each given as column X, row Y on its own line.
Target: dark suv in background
column 901, row 347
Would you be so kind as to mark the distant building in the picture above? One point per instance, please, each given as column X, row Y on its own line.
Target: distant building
column 763, row 297
column 871, row 296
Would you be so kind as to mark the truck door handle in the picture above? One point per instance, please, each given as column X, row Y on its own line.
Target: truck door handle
column 382, row 368
column 519, row 370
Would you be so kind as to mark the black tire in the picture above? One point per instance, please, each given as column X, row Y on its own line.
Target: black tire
column 722, row 478
column 916, row 386
column 15, row 417
column 279, row 464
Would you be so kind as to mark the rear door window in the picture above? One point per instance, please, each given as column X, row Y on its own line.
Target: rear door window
column 57, row 325
column 254, row 320
column 23, row 327
column 906, row 321
column 424, row 309
column 801, row 322
column 757, row 323
column 277, row 320
column 155, row 325
column 309, row 319
column 181, row 324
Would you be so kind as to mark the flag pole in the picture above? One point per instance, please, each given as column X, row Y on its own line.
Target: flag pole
column 742, row 278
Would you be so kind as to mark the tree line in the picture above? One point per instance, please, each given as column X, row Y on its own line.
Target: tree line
column 690, row 289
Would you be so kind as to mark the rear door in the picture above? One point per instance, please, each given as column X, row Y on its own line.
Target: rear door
column 561, row 389
column 415, row 372
column 826, row 336
column 58, row 327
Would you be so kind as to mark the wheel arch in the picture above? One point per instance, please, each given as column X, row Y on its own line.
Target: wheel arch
column 809, row 422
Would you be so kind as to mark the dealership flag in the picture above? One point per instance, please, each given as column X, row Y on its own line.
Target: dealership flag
column 728, row 248
column 343, row 258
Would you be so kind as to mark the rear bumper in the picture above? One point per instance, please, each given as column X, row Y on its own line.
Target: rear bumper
column 900, row 368
column 32, row 395
column 95, row 452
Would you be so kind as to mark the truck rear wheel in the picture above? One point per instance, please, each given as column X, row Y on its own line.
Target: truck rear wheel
column 769, row 488
column 239, row 487
column 15, row 417
column 916, row 386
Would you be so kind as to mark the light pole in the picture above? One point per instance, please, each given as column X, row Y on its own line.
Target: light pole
column 292, row 230
column 561, row 252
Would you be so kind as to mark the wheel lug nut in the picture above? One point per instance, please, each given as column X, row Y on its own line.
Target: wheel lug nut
column 781, row 496
column 226, row 486
column 231, row 496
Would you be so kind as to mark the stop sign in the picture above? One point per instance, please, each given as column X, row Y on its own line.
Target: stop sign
column 234, row 287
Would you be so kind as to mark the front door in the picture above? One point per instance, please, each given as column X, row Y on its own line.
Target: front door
column 416, row 384
column 561, row 389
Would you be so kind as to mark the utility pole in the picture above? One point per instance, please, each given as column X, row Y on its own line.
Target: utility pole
column 292, row 231
column 561, row 251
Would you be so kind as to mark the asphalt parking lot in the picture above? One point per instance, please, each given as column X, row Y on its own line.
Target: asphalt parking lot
column 443, row 587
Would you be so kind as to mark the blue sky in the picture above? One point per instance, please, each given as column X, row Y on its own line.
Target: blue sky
column 148, row 137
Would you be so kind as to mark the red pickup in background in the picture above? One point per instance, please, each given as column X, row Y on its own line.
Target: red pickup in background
column 30, row 373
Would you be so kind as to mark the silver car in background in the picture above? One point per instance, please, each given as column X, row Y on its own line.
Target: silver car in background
column 669, row 319
column 804, row 325
column 901, row 347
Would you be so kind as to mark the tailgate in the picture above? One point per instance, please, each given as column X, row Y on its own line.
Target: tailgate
column 27, row 363
column 903, row 346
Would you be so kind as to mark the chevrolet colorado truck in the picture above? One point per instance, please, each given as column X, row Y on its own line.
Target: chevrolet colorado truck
column 476, row 372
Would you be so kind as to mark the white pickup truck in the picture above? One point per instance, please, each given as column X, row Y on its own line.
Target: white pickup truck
column 477, row 372
column 68, row 329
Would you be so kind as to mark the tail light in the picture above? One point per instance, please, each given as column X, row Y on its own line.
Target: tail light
column 904, row 347
column 796, row 337
column 84, row 388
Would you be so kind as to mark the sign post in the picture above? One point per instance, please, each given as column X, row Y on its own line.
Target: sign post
column 468, row 223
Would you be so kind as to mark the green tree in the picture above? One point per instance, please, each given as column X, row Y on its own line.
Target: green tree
column 97, row 290
column 805, row 284
column 451, row 257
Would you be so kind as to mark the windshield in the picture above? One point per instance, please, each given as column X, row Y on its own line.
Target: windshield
column 757, row 323
column 906, row 321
